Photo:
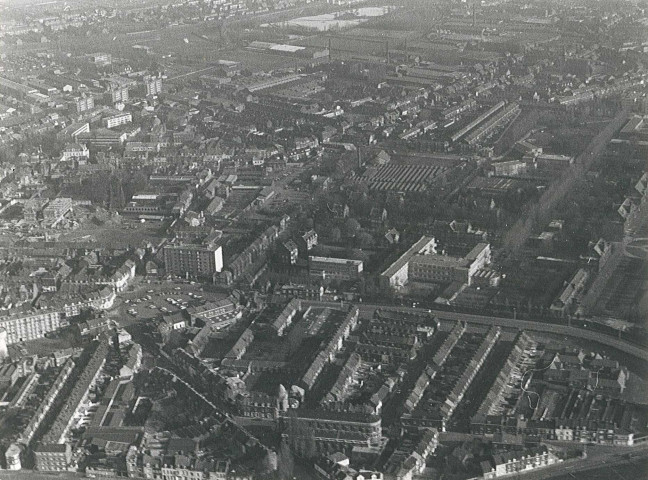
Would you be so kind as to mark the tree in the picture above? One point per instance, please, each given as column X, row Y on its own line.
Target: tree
column 336, row 235
column 351, row 228
column 268, row 463
column 365, row 239
column 286, row 461
column 310, row 448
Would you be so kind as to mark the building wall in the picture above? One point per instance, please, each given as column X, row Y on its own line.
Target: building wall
column 30, row 326
column 117, row 120
column 332, row 268
column 194, row 260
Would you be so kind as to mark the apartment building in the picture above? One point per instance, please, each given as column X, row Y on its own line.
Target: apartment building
column 119, row 94
column 152, row 85
column 193, row 260
column 117, row 120
column 332, row 430
column 54, row 457
column 84, row 104
column 24, row 326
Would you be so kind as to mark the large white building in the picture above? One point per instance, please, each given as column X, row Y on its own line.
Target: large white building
column 118, row 119
column 24, row 326
column 152, row 85
column 397, row 274
column 422, row 263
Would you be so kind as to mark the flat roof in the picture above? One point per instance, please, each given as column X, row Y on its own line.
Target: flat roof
column 188, row 246
column 404, row 258
column 334, row 260
column 433, row 258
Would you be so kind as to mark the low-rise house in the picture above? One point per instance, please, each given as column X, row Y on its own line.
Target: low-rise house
column 510, row 463
column 132, row 364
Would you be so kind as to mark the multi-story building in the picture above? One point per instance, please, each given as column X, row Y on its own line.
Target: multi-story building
column 46, row 404
column 122, row 277
column 97, row 300
column 287, row 252
column 9, row 375
column 117, row 120
column 23, row 326
column 253, row 257
column 84, row 103
column 193, row 260
column 286, row 317
column 332, row 431
column 562, row 429
column 397, row 274
column 74, row 130
column 185, row 466
column 52, row 457
column 327, row 354
column 75, row 150
column 307, row 240
column 446, row 268
column 56, row 209
column 152, row 85
column 548, row 163
column 421, row 263
column 336, row 268
column 119, row 94
column 58, row 432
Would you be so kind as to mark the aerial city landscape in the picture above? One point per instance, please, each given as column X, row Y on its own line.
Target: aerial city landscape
column 324, row 239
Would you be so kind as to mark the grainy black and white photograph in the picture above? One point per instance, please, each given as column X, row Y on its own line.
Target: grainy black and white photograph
column 324, row 239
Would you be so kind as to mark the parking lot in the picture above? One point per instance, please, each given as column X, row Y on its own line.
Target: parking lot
column 148, row 301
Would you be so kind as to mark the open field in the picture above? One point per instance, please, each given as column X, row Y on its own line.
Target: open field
column 130, row 232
